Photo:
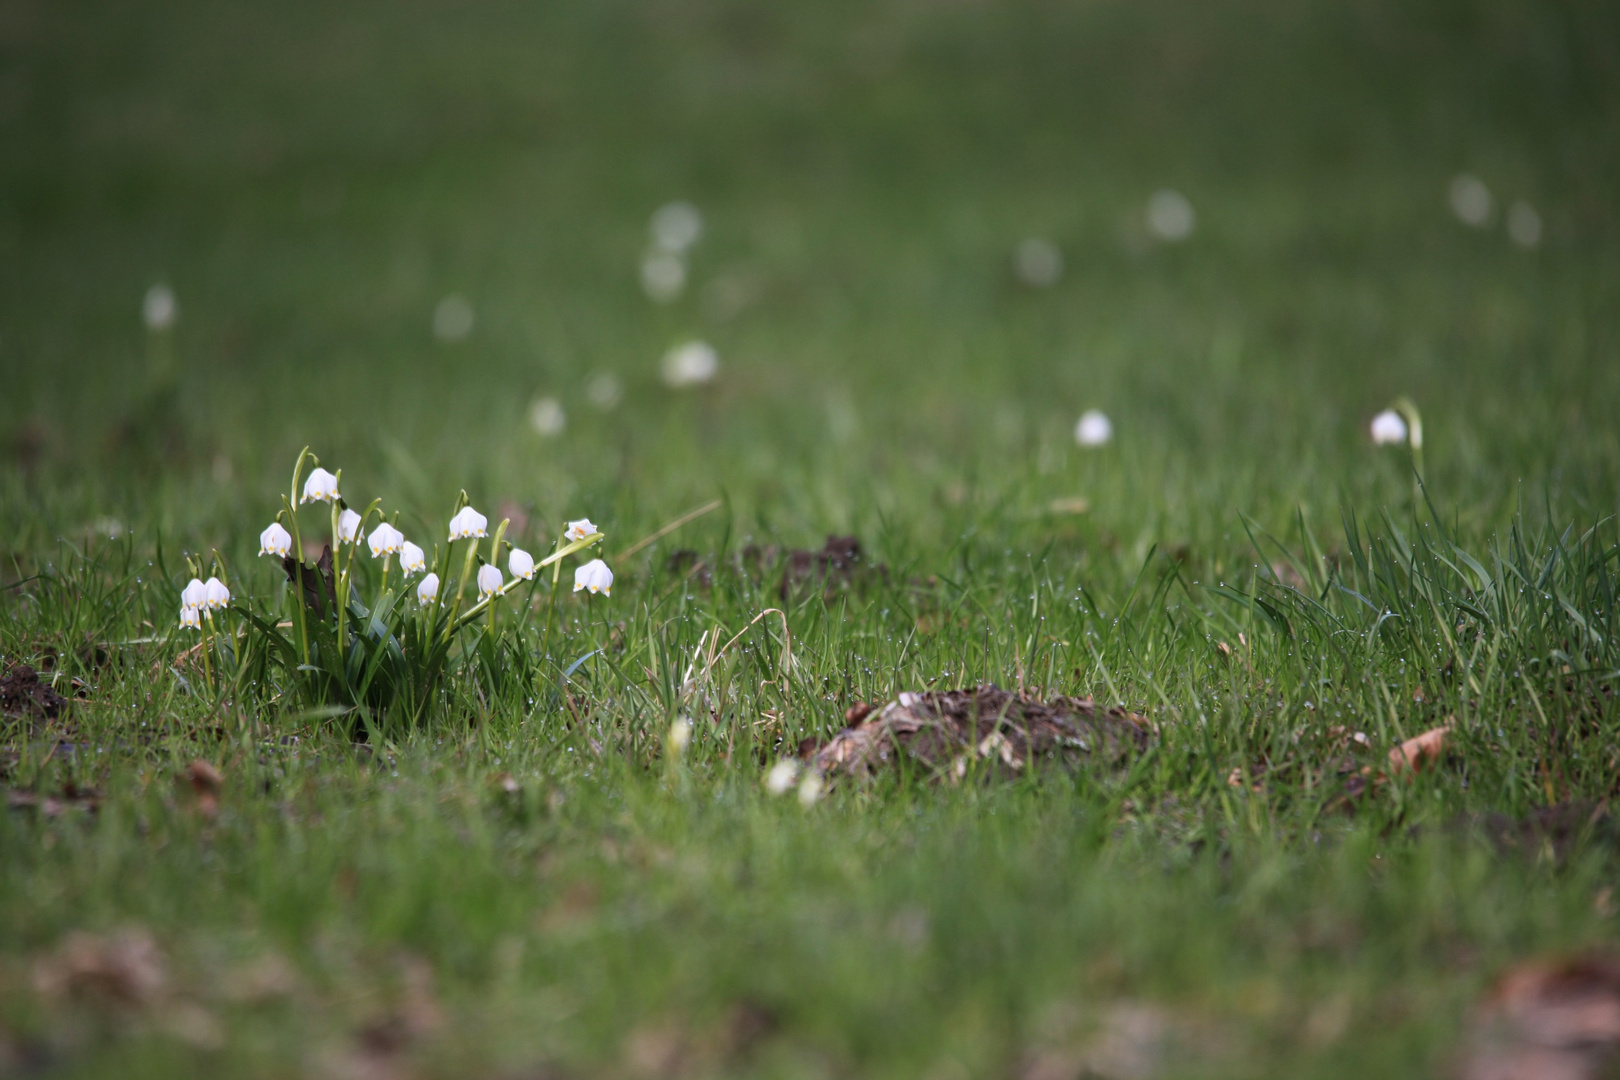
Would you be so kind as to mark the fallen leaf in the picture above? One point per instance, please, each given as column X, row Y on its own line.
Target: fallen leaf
column 1547, row 1020
column 1420, row 751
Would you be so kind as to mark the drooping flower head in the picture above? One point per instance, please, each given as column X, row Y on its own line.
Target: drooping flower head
column 427, row 590
column 579, row 530
column 215, row 594
column 195, row 594
column 468, row 524
column 489, row 579
column 521, row 564
column 412, row 559
column 1388, row 428
column 275, row 540
column 1094, row 428
column 348, row 526
column 594, row 576
column 385, row 540
column 321, row 486
column 190, row 617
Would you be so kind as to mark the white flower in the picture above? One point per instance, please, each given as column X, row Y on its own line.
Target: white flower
column 690, row 364
column 1094, row 428
column 453, row 319
column 781, row 777
column 489, row 579
column 195, row 594
column 1388, row 428
column 275, row 540
column 1170, row 217
column 594, row 576
column 1524, row 224
column 428, row 589
column 579, row 530
column 676, row 226
column 386, row 540
column 663, row 276
column 810, row 788
column 215, row 594
column 604, row 390
column 1038, row 262
column 190, row 617
column 412, row 559
column 547, row 418
column 680, row 735
column 348, row 526
column 468, row 524
column 1471, row 200
column 159, row 308
column 521, row 564
column 321, row 486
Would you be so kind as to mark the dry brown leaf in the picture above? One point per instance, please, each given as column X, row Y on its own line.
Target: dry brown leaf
column 1420, row 751
column 1548, row 1020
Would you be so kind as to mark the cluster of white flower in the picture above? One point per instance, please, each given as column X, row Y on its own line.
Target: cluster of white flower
column 675, row 227
column 201, row 598
column 788, row 773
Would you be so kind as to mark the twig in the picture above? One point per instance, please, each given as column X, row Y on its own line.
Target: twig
column 690, row 515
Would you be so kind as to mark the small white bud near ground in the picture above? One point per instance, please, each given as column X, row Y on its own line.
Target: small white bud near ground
column 275, row 540
column 594, row 576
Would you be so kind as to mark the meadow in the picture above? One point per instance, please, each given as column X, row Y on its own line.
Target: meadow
column 415, row 238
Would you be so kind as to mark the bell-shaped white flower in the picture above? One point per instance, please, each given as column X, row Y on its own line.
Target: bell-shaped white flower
column 275, row 540
column 594, row 576
column 468, row 524
column 385, row 540
column 348, row 526
column 1094, row 428
column 215, row 594
column 780, row 780
column 579, row 530
column 1388, row 428
column 427, row 590
column 521, row 564
column 412, row 560
column 195, row 594
column 690, row 364
column 190, row 617
column 321, row 486
column 489, row 579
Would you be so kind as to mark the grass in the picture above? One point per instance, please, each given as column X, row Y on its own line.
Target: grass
column 531, row 883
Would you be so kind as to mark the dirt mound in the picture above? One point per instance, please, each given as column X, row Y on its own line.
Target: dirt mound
column 947, row 731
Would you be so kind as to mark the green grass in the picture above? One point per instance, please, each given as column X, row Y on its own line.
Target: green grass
column 528, row 884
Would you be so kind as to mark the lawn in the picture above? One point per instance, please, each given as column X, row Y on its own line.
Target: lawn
column 414, row 238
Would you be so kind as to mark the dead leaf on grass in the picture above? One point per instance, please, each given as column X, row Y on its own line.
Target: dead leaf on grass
column 1548, row 1020
column 23, row 695
column 1420, row 751
column 207, row 784
column 125, row 969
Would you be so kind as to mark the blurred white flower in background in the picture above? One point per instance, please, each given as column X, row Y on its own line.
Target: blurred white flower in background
column 348, row 526
column 779, row 781
column 810, row 788
column 1471, row 200
column 412, row 559
column 489, row 580
column 467, row 524
column 320, row 486
column 680, row 735
column 1038, row 262
column 1388, row 428
column 215, row 594
column 452, row 319
column 594, row 576
column 521, row 564
column 663, row 275
column 1094, row 428
column 159, row 309
column 385, row 540
column 1170, row 217
column 275, row 540
column 675, row 227
column 604, row 390
column 428, row 590
column 579, row 530
column 690, row 364
column 547, row 418
column 1523, row 224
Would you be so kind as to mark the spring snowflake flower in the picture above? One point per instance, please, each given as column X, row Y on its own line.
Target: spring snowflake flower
column 547, row 417
column 321, row 486
column 195, row 594
column 676, row 226
column 190, row 617
column 594, row 576
column 1524, row 224
column 275, row 540
column 159, row 308
column 427, row 590
column 1170, row 217
column 412, row 559
column 489, row 579
column 1094, row 428
column 811, row 788
column 386, row 540
column 1388, row 428
column 348, row 526
column 1038, row 262
column 680, row 735
column 579, row 530
column 1471, row 200
column 215, row 594
column 781, row 777
column 468, row 524
column 691, row 364
column 521, row 564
